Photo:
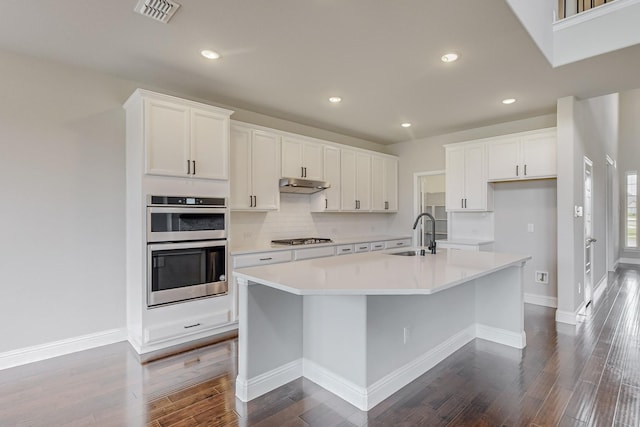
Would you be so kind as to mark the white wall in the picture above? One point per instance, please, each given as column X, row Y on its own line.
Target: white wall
column 518, row 204
column 294, row 219
column 537, row 18
column 629, row 157
column 62, row 172
column 585, row 128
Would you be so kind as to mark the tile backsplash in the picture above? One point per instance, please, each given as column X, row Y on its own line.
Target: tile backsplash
column 294, row 219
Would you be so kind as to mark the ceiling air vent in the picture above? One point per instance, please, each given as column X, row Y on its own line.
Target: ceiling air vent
column 160, row 10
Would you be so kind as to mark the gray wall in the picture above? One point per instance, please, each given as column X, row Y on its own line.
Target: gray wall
column 629, row 158
column 518, row 204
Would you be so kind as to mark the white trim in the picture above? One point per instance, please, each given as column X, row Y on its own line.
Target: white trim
column 543, row 300
column 569, row 317
column 594, row 13
column 36, row 353
column 501, row 336
column 341, row 387
column 416, row 203
column 635, row 261
column 367, row 398
column 257, row 386
column 600, row 288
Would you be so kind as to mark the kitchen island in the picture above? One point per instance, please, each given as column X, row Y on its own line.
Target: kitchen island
column 365, row 325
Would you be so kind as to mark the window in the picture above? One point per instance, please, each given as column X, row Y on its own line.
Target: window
column 631, row 218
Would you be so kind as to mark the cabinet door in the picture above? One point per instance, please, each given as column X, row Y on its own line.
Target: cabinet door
column 363, row 181
column 377, row 184
column 265, row 169
column 475, row 181
column 240, row 168
column 292, row 158
column 539, row 156
column 166, row 138
column 332, row 175
column 348, row 180
column 312, row 159
column 209, row 145
column 504, row 160
column 391, row 184
column 454, row 179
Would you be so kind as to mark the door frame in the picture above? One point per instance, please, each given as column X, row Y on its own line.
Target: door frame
column 587, row 296
column 610, row 214
column 416, row 204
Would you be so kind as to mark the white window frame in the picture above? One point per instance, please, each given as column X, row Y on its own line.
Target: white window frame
column 626, row 211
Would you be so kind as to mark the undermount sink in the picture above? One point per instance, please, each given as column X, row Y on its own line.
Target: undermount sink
column 410, row 253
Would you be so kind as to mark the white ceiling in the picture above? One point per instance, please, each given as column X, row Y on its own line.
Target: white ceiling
column 284, row 58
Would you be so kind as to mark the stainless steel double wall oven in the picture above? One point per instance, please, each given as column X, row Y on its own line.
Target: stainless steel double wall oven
column 186, row 248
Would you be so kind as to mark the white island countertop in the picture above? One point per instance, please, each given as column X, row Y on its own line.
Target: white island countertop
column 379, row 273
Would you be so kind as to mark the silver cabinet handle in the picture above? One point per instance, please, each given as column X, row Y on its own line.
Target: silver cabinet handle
column 465, row 203
column 266, row 259
column 305, row 171
column 255, row 201
column 188, row 167
column 399, row 244
column 346, row 250
column 362, row 247
column 250, row 201
column 194, row 166
column 301, row 172
column 517, row 169
column 525, row 170
column 326, row 203
column 192, row 326
column 462, row 203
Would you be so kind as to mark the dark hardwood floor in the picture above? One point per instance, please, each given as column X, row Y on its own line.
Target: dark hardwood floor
column 587, row 375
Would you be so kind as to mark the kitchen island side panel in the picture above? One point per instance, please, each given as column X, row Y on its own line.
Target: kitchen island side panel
column 335, row 333
column 403, row 328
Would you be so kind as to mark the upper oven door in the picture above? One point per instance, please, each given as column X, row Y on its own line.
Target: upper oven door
column 170, row 224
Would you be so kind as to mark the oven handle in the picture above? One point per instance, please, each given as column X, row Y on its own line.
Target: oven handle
column 187, row 245
column 188, row 210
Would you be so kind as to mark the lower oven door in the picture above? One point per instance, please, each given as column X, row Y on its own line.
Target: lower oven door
column 183, row 271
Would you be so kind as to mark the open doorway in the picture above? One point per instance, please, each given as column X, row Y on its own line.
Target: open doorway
column 429, row 196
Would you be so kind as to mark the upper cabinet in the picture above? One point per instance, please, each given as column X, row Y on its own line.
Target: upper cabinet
column 466, row 181
column 182, row 138
column 255, row 169
column 302, row 159
column 384, row 184
column 355, row 171
column 529, row 155
column 329, row 199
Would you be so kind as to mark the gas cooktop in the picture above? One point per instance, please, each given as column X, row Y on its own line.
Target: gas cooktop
column 302, row 241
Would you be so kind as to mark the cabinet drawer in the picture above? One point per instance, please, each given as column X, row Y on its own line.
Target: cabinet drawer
column 263, row 258
column 397, row 243
column 344, row 249
column 324, row 251
column 377, row 246
column 362, row 247
column 184, row 327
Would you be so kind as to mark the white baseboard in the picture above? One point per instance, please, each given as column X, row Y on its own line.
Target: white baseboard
column 501, row 336
column 569, row 317
column 257, row 386
column 600, row 288
column 389, row 384
column 36, row 353
column 635, row 261
column 341, row 387
column 541, row 300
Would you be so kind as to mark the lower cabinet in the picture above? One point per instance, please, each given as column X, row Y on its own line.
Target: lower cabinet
column 400, row 243
column 184, row 327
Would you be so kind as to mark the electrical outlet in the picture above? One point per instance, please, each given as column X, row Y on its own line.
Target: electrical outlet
column 542, row 277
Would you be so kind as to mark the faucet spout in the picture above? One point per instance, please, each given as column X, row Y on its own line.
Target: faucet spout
column 432, row 243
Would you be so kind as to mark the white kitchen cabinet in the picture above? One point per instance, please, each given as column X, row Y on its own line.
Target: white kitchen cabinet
column 377, row 246
column 355, row 170
column 384, row 184
column 362, row 247
column 329, row 199
column 399, row 243
column 302, row 159
column 310, row 253
column 262, row 258
column 529, row 155
column 185, row 139
column 466, row 182
column 255, row 169
column 344, row 249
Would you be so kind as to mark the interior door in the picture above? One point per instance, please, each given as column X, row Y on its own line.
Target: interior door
column 588, row 231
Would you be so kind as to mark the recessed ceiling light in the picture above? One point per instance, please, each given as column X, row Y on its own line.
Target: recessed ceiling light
column 406, row 125
column 508, row 101
column 210, row 54
column 449, row 57
column 335, row 99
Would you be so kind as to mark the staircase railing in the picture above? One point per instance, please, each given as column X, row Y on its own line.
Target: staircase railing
column 568, row 8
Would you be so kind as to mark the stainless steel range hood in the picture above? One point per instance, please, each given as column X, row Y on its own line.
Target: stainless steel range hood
column 302, row 185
